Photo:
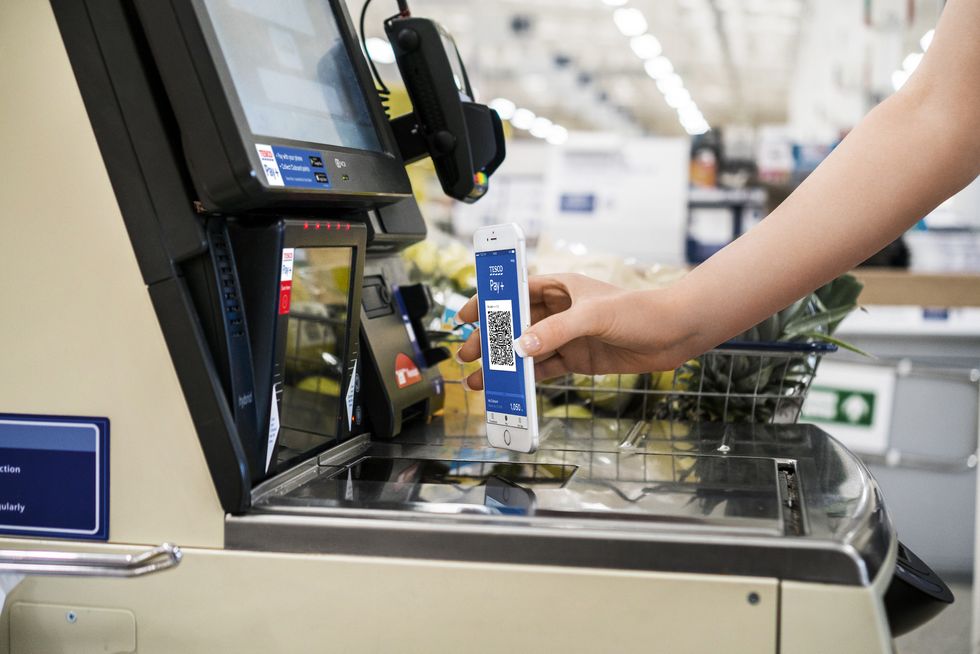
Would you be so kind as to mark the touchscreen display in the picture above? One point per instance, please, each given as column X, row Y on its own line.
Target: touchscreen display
column 500, row 320
column 315, row 356
column 292, row 72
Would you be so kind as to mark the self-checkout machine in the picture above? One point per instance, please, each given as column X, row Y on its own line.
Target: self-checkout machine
column 203, row 197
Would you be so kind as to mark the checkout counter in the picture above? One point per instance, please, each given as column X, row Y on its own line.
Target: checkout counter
column 205, row 200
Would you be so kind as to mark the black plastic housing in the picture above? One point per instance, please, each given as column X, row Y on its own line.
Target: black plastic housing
column 217, row 141
column 464, row 139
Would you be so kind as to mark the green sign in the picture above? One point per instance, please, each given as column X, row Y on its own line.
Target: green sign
column 840, row 406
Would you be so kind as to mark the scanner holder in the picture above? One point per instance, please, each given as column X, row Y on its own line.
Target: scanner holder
column 464, row 139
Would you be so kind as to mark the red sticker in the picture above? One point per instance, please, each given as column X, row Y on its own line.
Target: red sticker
column 406, row 372
column 285, row 292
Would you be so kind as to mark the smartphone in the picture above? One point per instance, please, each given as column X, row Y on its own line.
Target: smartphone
column 508, row 380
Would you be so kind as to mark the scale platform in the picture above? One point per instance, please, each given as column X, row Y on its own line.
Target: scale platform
column 784, row 501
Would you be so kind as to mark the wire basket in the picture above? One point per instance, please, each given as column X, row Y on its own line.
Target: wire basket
column 735, row 383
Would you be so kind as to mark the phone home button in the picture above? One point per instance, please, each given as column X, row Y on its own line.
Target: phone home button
column 506, row 437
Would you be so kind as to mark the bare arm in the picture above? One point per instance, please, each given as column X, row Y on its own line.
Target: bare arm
column 910, row 153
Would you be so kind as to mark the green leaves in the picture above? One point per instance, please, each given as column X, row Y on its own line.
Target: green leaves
column 827, row 319
column 826, row 338
column 841, row 292
column 757, row 386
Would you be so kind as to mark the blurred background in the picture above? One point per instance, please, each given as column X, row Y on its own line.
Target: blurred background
column 684, row 120
column 643, row 136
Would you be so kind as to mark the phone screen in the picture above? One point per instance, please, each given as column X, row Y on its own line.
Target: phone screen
column 498, row 286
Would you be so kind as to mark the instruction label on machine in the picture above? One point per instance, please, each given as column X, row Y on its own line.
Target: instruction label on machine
column 54, row 476
column 293, row 167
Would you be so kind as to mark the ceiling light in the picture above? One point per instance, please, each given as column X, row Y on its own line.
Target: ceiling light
column 911, row 62
column 899, row 77
column 614, row 3
column 658, row 67
column 689, row 113
column 672, row 81
column 630, row 21
column 504, row 108
column 522, row 118
column 677, row 97
column 646, row 46
column 926, row 39
column 540, row 127
column 557, row 135
column 380, row 51
column 696, row 130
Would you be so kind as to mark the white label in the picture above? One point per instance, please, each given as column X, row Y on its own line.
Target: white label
column 499, row 325
column 273, row 431
column 269, row 165
column 350, row 397
column 286, row 274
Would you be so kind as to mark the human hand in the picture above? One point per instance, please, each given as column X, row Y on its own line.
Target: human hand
column 583, row 325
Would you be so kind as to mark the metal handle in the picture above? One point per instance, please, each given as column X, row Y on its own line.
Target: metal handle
column 81, row 564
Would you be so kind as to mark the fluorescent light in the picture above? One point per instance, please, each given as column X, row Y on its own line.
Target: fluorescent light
column 677, row 97
column 899, row 77
column 646, row 46
column 540, row 127
column 911, row 62
column 926, row 39
column 672, row 81
column 695, row 130
column 504, row 108
column 522, row 118
column 380, row 51
column 614, row 3
column 658, row 67
column 630, row 21
column 689, row 113
column 557, row 135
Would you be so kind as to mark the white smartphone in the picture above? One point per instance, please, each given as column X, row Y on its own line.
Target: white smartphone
column 505, row 312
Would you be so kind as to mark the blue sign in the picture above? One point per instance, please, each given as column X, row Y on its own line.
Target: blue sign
column 578, row 203
column 294, row 167
column 54, row 476
column 301, row 168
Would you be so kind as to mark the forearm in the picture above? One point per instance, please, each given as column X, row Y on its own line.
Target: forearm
column 908, row 155
column 899, row 164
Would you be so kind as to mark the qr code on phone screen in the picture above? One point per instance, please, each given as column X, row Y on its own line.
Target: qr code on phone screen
column 500, row 335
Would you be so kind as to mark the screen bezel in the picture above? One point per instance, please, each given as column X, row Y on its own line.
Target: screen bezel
column 295, row 235
column 221, row 151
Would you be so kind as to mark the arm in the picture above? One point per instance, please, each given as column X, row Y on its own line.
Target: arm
column 909, row 154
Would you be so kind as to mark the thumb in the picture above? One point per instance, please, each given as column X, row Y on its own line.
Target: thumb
column 551, row 333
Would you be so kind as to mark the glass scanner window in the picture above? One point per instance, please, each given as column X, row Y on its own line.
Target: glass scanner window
column 315, row 350
column 292, row 72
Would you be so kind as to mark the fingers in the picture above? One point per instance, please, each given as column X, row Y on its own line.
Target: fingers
column 543, row 370
column 539, row 312
column 556, row 330
column 550, row 368
column 468, row 312
column 470, row 350
column 474, row 382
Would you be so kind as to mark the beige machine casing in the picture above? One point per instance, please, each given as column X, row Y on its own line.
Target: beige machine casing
column 78, row 336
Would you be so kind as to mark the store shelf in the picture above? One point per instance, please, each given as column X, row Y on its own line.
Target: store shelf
column 702, row 196
column 895, row 287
